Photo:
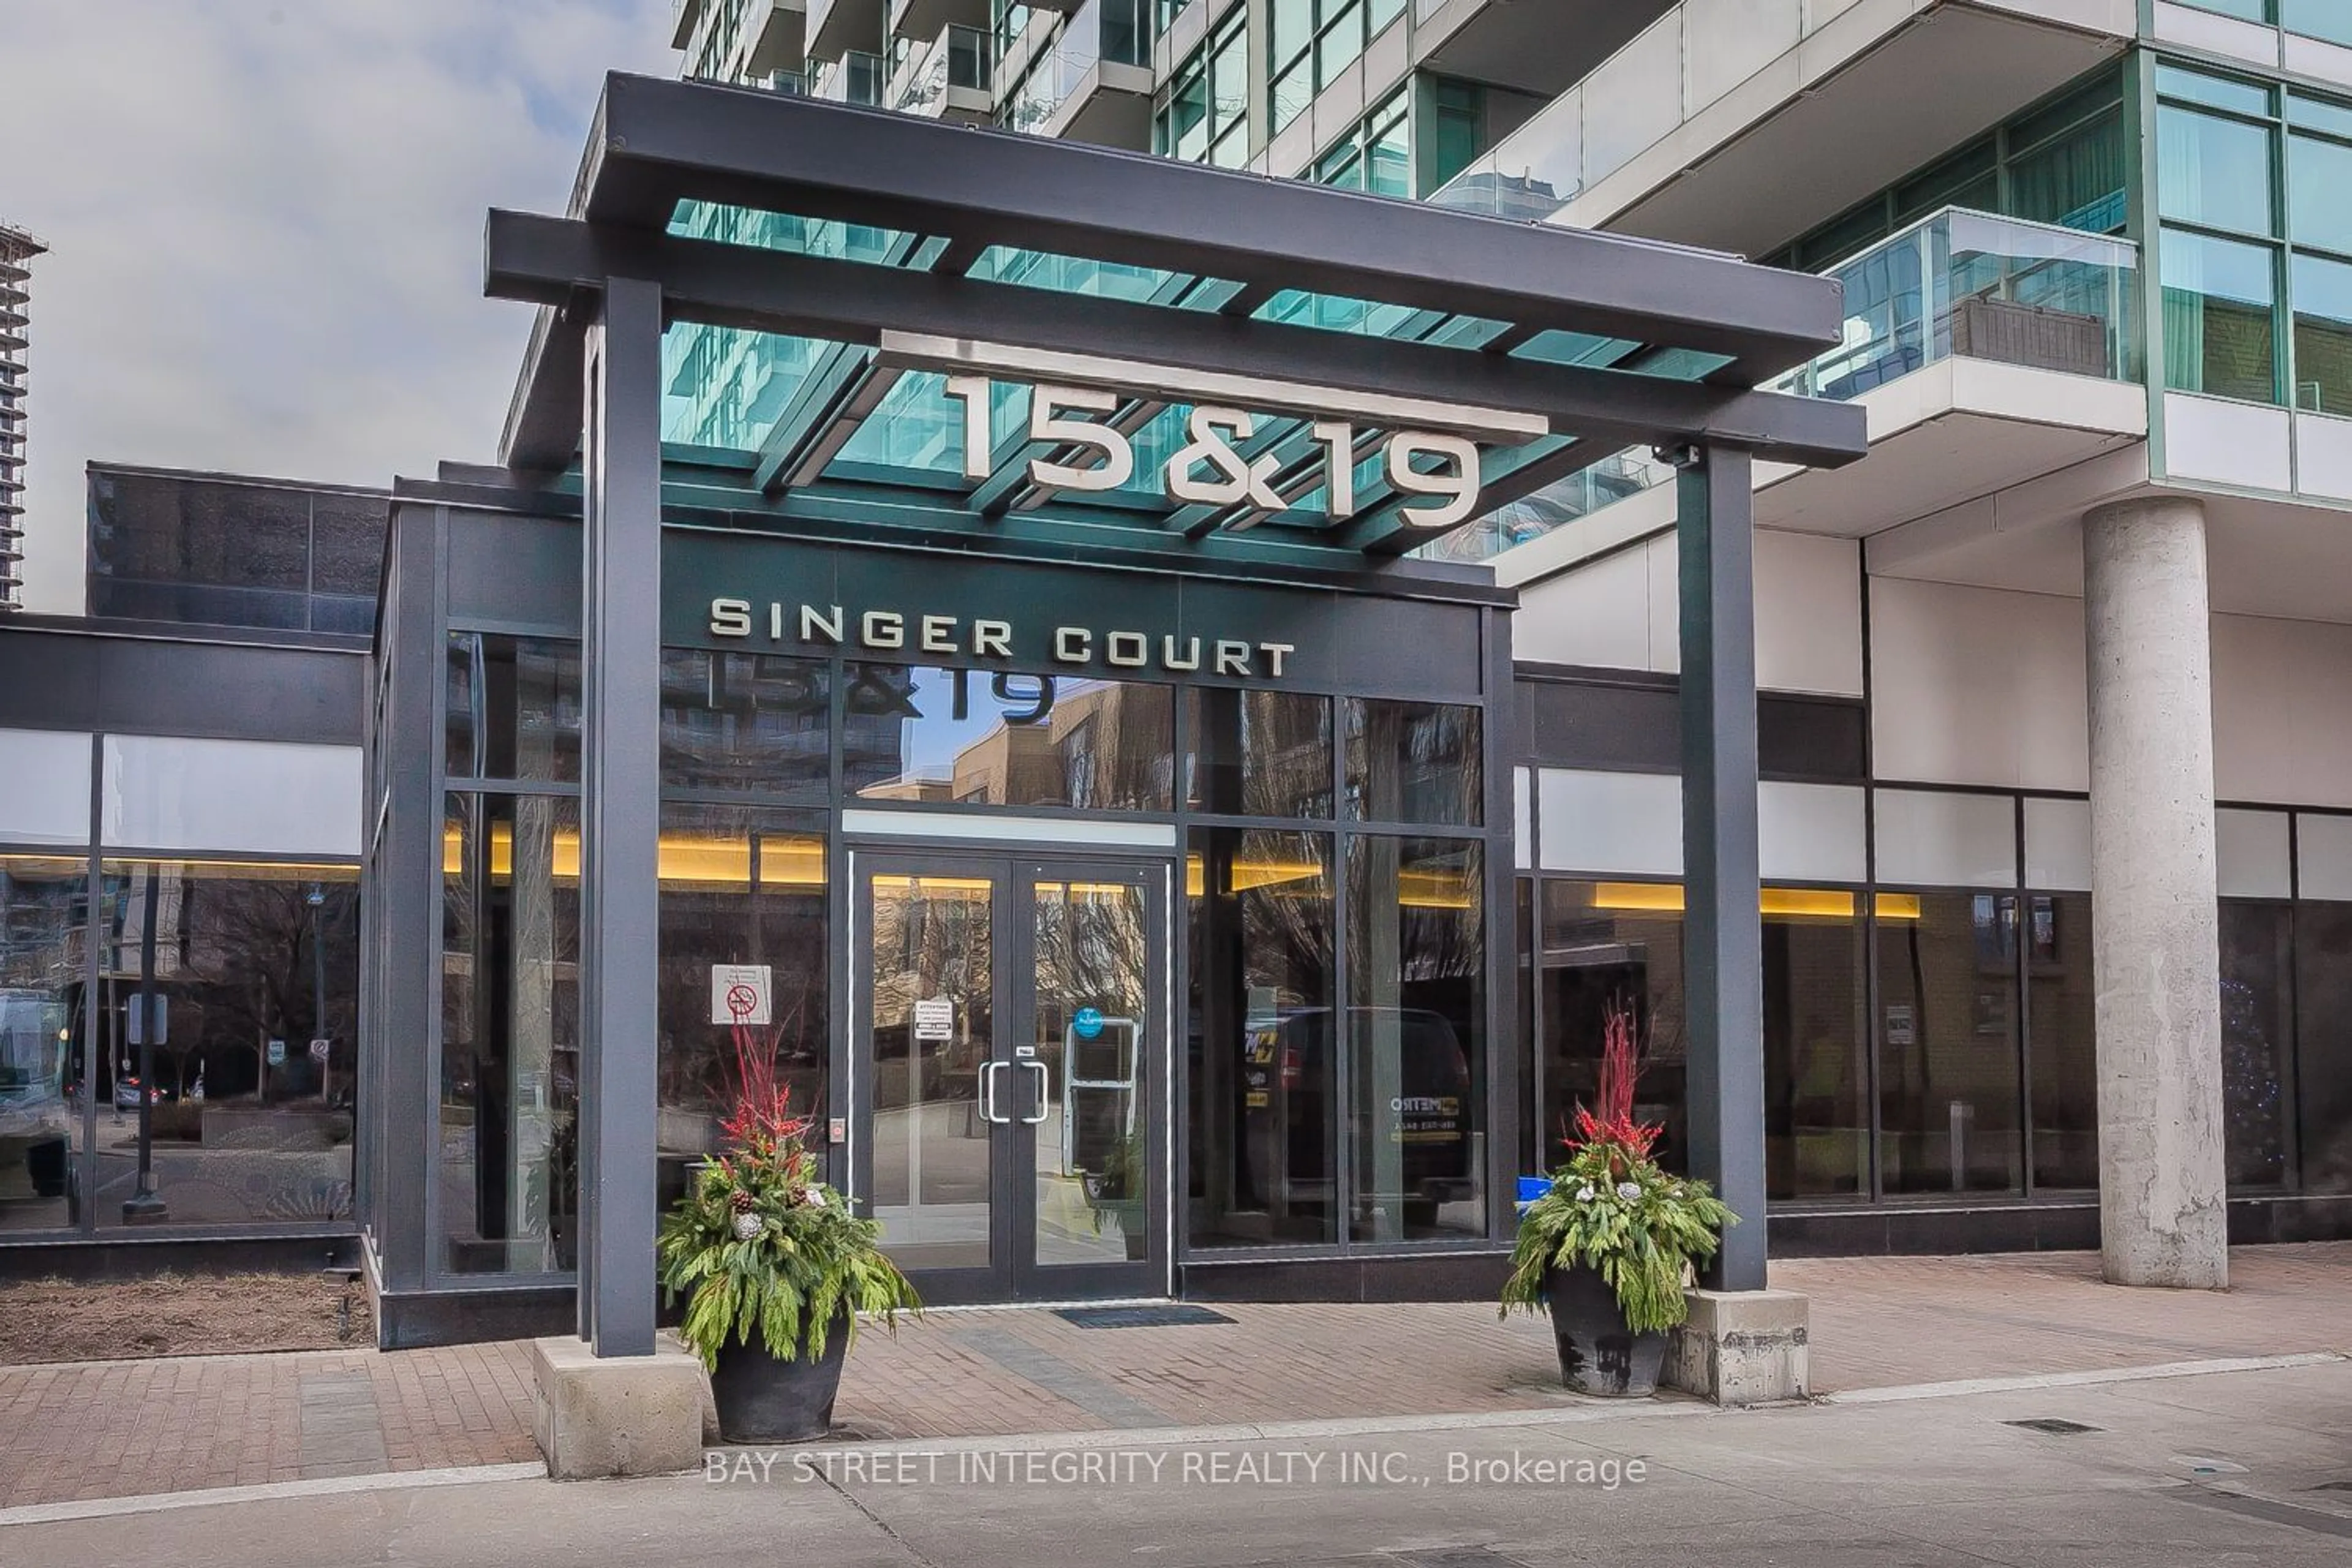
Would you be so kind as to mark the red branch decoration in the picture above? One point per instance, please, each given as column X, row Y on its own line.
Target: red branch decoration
column 762, row 1127
column 1621, row 1065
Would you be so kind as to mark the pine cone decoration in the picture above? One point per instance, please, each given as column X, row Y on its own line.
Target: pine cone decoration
column 742, row 1201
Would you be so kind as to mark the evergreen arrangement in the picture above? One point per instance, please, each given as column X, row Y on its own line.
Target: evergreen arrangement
column 1612, row 1209
column 761, row 1247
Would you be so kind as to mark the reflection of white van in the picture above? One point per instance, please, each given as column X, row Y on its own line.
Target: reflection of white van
column 1414, row 1146
column 32, row 1054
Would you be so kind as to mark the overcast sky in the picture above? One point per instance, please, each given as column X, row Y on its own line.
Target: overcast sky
column 265, row 224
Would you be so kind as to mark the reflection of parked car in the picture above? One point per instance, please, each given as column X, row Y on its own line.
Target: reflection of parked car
column 1425, row 1113
column 126, row 1093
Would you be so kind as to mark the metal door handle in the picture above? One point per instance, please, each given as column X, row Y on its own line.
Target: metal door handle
column 1045, row 1089
column 988, row 1093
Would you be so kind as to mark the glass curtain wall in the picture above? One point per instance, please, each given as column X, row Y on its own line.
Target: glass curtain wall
column 746, row 775
column 1966, row 1013
column 1338, row 1084
column 178, row 1016
column 1310, row 42
column 1202, row 115
column 2256, row 245
column 43, row 935
column 506, row 1162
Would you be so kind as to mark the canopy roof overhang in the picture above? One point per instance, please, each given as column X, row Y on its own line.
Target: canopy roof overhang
column 1570, row 344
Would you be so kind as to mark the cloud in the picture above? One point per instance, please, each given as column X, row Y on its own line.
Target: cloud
column 265, row 227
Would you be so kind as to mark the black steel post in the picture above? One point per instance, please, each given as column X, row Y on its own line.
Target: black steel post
column 1724, row 931
column 620, row 819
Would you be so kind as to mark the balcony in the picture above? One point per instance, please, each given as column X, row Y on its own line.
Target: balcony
column 1542, row 48
column 1739, row 124
column 775, row 38
column 835, row 27
column 947, row 78
column 1093, row 82
column 1989, row 352
column 856, row 78
column 683, row 16
column 925, row 19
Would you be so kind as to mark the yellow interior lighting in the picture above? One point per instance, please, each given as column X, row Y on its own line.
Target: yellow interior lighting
column 1435, row 890
column 686, row 859
column 1247, row 876
column 1819, row 903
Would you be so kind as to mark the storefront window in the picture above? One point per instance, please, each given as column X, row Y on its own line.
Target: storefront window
column 746, row 725
column 1414, row 762
column 1263, row 1112
column 512, row 708
column 1609, row 944
column 741, row 886
column 1947, row 1066
column 249, row 1069
column 1816, row 1045
column 1259, row 753
column 507, row 1165
column 2257, row 1042
column 44, row 920
column 2060, row 996
column 963, row 737
column 2322, row 975
column 1416, row 1036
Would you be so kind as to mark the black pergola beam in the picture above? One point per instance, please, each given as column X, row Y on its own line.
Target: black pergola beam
column 657, row 141
column 550, row 260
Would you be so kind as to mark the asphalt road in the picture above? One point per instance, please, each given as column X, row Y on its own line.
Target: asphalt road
column 2249, row 1467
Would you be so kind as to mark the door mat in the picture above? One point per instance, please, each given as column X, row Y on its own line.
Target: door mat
column 1172, row 1316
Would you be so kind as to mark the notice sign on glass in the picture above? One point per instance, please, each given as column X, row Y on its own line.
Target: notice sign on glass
column 741, row 993
column 934, row 1018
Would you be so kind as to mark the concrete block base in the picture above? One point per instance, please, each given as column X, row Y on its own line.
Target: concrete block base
column 1740, row 1347
column 628, row 1416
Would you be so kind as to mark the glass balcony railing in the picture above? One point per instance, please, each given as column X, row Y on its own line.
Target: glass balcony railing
column 958, row 57
column 1972, row 285
column 856, row 78
column 1957, row 284
column 1118, row 31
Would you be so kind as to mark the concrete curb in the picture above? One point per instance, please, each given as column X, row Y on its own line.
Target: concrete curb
column 218, row 1497
column 2080, row 1379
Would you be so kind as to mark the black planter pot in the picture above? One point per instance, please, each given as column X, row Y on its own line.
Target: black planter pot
column 1598, row 1354
column 764, row 1399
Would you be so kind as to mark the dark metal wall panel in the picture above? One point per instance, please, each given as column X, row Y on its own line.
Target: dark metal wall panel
column 506, row 570
column 53, row 679
column 1629, row 725
column 404, row 887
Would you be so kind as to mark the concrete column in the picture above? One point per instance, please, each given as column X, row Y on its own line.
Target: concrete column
column 2156, row 939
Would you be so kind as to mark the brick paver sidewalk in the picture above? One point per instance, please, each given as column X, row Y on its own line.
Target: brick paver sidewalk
column 124, row 1428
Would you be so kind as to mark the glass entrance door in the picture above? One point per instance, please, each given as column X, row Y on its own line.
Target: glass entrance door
column 1008, row 1054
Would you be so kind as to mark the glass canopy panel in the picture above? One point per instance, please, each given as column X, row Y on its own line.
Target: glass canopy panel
column 917, row 425
column 800, row 236
column 1339, row 313
column 723, row 386
column 1081, row 274
column 1576, row 348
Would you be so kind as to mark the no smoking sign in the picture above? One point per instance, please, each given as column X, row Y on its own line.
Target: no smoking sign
column 742, row 993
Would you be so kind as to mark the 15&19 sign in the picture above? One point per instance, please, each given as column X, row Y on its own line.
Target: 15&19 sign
column 1208, row 469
